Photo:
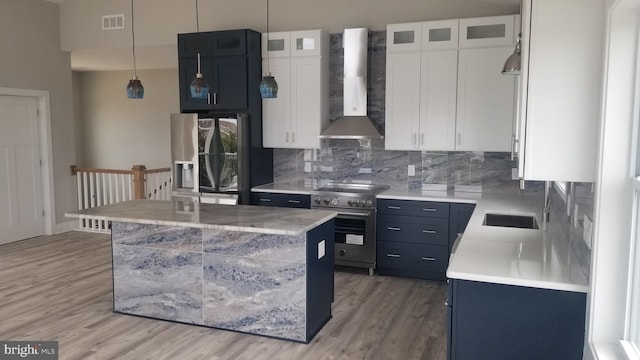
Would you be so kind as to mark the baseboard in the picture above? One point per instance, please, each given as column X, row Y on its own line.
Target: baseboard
column 65, row 226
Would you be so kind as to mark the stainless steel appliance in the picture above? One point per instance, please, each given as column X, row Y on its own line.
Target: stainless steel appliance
column 355, row 225
column 212, row 158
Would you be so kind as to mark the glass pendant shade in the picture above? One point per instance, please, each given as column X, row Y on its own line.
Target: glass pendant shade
column 513, row 63
column 199, row 87
column 268, row 87
column 135, row 90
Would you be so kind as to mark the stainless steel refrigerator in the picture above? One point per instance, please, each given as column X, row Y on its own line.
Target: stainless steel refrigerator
column 214, row 158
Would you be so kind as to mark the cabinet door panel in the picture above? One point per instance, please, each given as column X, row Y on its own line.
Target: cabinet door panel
column 440, row 35
column 231, row 88
column 412, row 229
column 231, row 42
column 306, row 100
column 404, row 37
column 276, row 112
column 306, row 43
column 417, row 257
column 277, row 45
column 402, row 101
column 484, row 116
column 438, row 91
column 487, row 31
column 189, row 45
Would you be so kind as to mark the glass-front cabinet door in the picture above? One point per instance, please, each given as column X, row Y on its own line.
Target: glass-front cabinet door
column 404, row 37
column 305, row 43
column 488, row 31
column 276, row 44
column 440, row 35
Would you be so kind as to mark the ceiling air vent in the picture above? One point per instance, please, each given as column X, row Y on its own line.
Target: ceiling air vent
column 113, row 22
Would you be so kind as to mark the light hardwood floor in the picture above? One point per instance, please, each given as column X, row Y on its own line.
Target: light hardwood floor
column 59, row 288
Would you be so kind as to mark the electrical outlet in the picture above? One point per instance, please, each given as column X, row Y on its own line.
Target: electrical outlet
column 587, row 234
column 411, row 169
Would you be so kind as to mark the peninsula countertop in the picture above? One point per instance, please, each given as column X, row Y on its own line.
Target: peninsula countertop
column 257, row 219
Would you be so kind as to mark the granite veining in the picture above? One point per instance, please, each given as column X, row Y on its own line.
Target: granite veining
column 158, row 283
column 256, row 246
column 169, row 237
column 256, row 219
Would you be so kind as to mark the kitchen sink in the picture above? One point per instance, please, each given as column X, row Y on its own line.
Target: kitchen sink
column 506, row 220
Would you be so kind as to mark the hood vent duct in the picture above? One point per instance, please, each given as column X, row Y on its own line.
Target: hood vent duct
column 354, row 124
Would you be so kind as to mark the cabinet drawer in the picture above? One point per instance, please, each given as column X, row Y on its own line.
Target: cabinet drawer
column 281, row 200
column 414, row 257
column 414, row 208
column 413, row 229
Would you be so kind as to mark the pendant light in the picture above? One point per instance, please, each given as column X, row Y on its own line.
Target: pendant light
column 513, row 63
column 268, row 85
column 199, row 87
column 135, row 90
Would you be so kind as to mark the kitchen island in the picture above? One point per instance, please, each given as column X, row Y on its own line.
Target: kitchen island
column 257, row 270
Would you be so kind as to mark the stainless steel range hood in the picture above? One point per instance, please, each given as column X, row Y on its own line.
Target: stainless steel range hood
column 354, row 124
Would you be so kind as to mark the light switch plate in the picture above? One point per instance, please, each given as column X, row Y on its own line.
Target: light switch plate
column 321, row 249
column 411, row 170
column 587, row 234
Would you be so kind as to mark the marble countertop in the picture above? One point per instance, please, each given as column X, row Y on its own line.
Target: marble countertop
column 256, row 219
column 512, row 256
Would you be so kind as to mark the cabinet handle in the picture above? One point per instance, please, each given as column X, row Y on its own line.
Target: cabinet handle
column 393, row 207
column 429, row 258
column 215, row 99
column 393, row 255
column 294, row 201
column 393, row 228
column 430, row 209
column 265, row 200
column 208, row 98
column 293, row 137
column 446, row 303
column 429, row 231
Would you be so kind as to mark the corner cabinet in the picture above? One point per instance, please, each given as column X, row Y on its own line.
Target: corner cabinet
column 229, row 61
column 459, row 100
column 559, row 106
column 299, row 61
column 494, row 321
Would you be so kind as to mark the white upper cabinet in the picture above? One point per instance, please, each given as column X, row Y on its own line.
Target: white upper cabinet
column 297, row 116
column 404, row 37
column 488, row 31
column 440, row 35
column 278, row 44
column 485, row 112
column 560, row 91
column 458, row 95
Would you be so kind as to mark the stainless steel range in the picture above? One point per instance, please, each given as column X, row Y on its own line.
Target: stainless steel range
column 355, row 225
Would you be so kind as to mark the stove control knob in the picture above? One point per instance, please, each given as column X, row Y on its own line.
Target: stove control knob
column 368, row 203
column 359, row 203
column 335, row 202
column 317, row 201
column 350, row 202
column 325, row 201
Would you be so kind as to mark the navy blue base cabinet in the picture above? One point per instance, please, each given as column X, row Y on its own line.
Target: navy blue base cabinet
column 281, row 200
column 503, row 322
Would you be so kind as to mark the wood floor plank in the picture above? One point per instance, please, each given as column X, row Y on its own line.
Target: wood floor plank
column 60, row 288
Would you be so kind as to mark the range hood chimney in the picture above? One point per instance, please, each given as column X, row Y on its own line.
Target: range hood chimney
column 354, row 124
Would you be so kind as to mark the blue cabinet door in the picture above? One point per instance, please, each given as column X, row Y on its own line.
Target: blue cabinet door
column 459, row 215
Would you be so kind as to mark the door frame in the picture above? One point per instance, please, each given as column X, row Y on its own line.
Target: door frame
column 46, row 150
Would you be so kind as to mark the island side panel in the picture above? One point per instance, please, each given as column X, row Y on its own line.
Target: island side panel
column 320, row 277
column 157, row 271
column 255, row 283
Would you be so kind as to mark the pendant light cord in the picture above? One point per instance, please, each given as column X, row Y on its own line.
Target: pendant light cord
column 133, row 40
column 267, row 50
column 197, row 18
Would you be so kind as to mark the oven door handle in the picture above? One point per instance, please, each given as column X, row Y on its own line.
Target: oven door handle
column 367, row 214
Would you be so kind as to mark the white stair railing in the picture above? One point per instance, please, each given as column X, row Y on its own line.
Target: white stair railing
column 98, row 187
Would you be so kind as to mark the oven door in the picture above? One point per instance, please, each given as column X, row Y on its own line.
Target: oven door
column 355, row 238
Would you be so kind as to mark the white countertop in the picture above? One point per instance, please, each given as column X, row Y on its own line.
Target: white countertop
column 257, row 219
column 511, row 256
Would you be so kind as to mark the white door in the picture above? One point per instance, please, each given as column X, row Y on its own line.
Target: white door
column 306, row 102
column 276, row 112
column 20, row 183
column 402, row 123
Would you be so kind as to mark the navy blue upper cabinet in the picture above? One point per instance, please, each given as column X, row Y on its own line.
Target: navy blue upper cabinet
column 225, row 61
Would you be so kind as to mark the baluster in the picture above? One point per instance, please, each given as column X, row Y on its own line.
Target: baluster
column 111, row 188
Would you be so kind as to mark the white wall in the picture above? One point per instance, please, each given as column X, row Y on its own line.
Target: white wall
column 119, row 132
column 30, row 58
column 158, row 21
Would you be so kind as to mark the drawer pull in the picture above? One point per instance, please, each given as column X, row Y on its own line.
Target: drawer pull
column 429, row 231
column 294, row 201
column 393, row 255
column 265, row 200
column 429, row 259
column 393, row 207
column 430, row 209
column 446, row 303
column 393, row 228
